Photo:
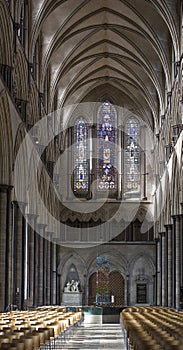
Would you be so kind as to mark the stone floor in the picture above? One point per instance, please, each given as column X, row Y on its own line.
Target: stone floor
column 94, row 336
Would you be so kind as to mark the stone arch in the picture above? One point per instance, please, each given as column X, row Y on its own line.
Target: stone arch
column 181, row 177
column 160, row 206
column 174, row 176
column 32, row 184
column 21, row 157
column 64, row 265
column 33, row 115
column 179, row 151
column 20, row 76
column 6, row 142
column 164, row 198
column 117, row 261
column 6, row 38
column 144, row 256
column 176, row 106
column 77, row 111
column 167, row 216
column 141, row 272
column 18, row 5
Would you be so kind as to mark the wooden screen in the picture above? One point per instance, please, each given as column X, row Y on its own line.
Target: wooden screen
column 116, row 288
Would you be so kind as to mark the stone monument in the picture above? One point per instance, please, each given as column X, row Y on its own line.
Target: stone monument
column 71, row 295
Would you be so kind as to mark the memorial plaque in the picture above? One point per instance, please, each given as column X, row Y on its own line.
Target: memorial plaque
column 141, row 293
column 72, row 298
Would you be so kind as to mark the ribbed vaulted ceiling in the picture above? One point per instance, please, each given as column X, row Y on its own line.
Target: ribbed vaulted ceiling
column 116, row 49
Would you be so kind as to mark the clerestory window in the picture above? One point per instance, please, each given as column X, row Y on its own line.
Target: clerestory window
column 119, row 180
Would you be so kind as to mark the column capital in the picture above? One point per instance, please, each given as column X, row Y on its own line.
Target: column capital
column 31, row 216
column 177, row 216
column 49, row 235
column 168, row 226
column 41, row 227
column 19, row 204
column 31, row 219
column 5, row 188
column 162, row 234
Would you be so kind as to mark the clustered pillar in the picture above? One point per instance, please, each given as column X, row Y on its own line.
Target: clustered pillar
column 169, row 264
column 31, row 225
column 169, row 280
column 5, row 245
column 164, row 267
column 28, row 257
column 18, row 252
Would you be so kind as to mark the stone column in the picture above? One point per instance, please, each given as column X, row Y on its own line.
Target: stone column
column 181, row 260
column 169, row 263
column 5, row 246
column 154, row 289
column 40, row 263
column 58, row 278
column 45, row 269
column 164, row 268
column 158, row 272
column 18, row 239
column 48, row 269
column 36, row 266
column 31, row 222
column 54, row 275
column 177, row 259
column 128, row 295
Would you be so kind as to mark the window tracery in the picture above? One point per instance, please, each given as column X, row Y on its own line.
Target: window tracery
column 106, row 162
column 132, row 156
column 81, row 176
column 106, row 147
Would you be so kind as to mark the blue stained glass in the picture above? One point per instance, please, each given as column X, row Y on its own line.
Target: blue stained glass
column 81, row 177
column 132, row 156
column 106, row 140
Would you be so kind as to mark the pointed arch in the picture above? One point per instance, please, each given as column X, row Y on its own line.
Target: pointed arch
column 6, row 142
column 174, row 184
column 21, row 75
column 148, row 262
column 66, row 262
column 118, row 262
column 6, row 37
column 20, row 156
column 33, row 114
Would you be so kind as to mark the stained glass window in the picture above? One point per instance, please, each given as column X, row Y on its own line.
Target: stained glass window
column 106, row 148
column 81, row 176
column 132, row 156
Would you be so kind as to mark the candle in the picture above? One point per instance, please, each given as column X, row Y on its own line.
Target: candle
column 112, row 298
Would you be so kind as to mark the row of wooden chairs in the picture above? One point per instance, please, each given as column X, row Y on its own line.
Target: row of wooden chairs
column 36, row 328
column 152, row 328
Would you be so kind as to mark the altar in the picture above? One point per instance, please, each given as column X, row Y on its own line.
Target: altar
column 72, row 298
